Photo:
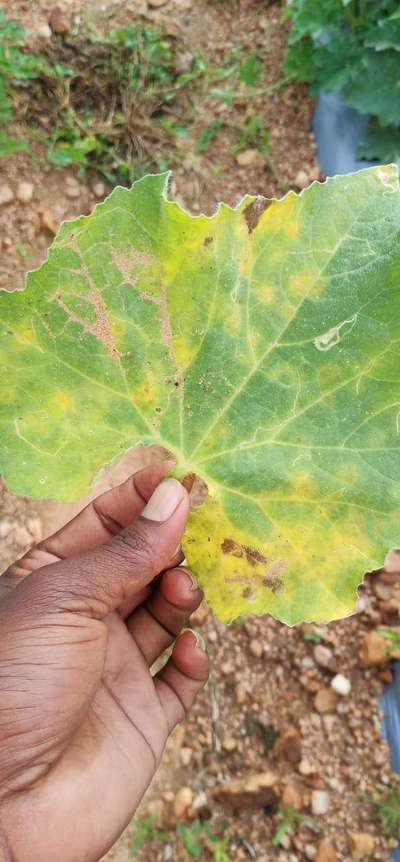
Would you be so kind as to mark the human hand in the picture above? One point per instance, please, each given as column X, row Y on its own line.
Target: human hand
column 83, row 722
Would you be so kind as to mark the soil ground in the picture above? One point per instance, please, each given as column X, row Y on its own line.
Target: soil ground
column 269, row 709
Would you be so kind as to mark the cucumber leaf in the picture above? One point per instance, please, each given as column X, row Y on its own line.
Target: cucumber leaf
column 259, row 345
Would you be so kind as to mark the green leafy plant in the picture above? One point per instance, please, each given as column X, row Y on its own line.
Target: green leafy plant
column 191, row 838
column 18, row 69
column 145, row 830
column 251, row 70
column 200, row 835
column 208, row 135
column 259, row 346
column 388, row 810
column 290, row 819
column 353, row 48
column 253, row 133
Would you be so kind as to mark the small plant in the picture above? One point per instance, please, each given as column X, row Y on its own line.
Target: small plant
column 290, row 819
column 200, row 836
column 18, row 69
column 145, row 830
column 253, row 134
column 388, row 811
column 251, row 70
column 352, row 48
column 208, row 135
column 191, row 838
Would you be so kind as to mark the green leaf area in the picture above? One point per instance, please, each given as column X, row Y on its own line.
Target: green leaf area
column 260, row 346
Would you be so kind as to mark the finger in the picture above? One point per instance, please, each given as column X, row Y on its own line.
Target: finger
column 183, row 676
column 105, row 516
column 156, row 624
column 99, row 581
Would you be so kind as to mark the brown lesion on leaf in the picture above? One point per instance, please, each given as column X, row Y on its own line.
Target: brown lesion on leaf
column 161, row 301
column 196, row 488
column 235, row 549
column 101, row 326
column 126, row 262
column 272, row 577
column 254, row 211
column 208, row 240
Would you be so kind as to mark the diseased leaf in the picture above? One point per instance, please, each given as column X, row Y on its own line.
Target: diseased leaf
column 260, row 346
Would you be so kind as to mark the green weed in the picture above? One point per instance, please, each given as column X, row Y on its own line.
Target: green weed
column 388, row 811
column 199, row 836
column 18, row 69
column 290, row 818
column 253, row 134
column 208, row 135
column 145, row 830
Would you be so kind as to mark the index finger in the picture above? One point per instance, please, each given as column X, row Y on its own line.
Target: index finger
column 101, row 519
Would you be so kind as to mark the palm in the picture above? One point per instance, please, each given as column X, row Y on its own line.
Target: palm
column 91, row 711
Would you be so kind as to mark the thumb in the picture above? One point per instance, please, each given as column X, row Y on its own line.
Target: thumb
column 100, row 580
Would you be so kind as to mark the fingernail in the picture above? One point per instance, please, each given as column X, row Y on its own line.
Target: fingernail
column 200, row 642
column 193, row 585
column 164, row 500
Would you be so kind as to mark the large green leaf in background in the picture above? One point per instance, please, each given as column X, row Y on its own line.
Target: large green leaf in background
column 261, row 346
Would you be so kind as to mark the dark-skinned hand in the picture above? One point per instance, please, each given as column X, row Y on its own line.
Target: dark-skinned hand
column 83, row 722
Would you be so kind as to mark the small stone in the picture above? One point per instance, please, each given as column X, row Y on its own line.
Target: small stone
column 182, row 802
column 227, row 668
column 6, row 195
column 314, row 173
column 320, row 802
column 291, row 797
column 251, row 792
column 302, row 180
column 186, row 755
column 156, row 3
column 43, row 31
column 49, row 221
column 229, row 744
column 255, row 648
column 310, row 851
column 200, row 801
column 58, row 21
column 326, row 853
column 341, row 684
column 99, row 190
column 289, row 746
column 25, row 192
column 375, row 650
column 307, row 768
column 325, row 700
column 324, row 656
column 250, row 158
column 240, row 694
column 183, row 62
column 383, row 591
column 362, row 845
column 329, row 722
column 72, row 188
